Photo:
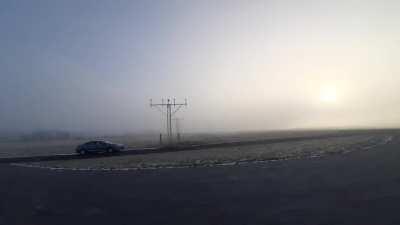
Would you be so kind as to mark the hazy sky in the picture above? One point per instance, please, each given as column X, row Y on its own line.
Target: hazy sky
column 242, row 65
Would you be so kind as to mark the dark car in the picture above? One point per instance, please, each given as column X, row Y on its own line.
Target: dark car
column 99, row 147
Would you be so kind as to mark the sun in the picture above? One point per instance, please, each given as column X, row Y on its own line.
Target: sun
column 328, row 94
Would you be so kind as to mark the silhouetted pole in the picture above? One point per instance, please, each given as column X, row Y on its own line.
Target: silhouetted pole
column 168, row 106
column 178, row 129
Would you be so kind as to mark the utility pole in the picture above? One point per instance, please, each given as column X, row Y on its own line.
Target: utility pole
column 178, row 129
column 171, row 108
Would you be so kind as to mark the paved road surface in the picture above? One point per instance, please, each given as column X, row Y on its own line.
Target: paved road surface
column 358, row 188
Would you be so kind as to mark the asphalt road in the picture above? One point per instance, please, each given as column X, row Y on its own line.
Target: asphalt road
column 362, row 187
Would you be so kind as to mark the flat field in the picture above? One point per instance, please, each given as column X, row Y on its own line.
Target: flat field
column 228, row 155
column 33, row 148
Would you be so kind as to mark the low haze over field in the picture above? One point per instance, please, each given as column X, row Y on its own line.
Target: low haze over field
column 92, row 66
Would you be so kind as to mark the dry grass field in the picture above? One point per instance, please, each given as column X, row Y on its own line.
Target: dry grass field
column 67, row 146
column 228, row 155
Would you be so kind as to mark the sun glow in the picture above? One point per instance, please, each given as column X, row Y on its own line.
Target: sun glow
column 328, row 94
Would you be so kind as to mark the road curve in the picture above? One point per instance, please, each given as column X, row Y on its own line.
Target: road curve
column 362, row 187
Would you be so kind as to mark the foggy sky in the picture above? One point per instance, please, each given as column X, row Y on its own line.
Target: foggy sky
column 243, row 65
